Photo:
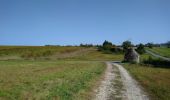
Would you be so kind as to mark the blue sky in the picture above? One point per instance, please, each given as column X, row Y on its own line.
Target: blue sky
column 71, row 22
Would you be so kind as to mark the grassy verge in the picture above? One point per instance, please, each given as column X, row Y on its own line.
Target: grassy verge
column 163, row 51
column 154, row 80
column 62, row 80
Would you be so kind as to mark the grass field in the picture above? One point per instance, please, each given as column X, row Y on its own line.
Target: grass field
column 63, row 80
column 163, row 51
column 154, row 80
column 67, row 73
column 27, row 52
column 54, row 53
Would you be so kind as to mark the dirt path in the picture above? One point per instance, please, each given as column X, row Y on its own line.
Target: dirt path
column 104, row 91
column 119, row 85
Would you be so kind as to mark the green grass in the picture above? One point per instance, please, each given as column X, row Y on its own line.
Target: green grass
column 144, row 56
column 41, row 80
column 62, row 73
column 154, row 80
column 163, row 51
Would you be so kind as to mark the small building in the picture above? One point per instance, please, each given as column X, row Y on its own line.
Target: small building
column 131, row 56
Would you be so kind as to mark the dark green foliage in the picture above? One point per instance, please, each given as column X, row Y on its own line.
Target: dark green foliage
column 150, row 45
column 117, row 50
column 86, row 45
column 126, row 45
column 107, row 45
column 140, row 49
column 109, row 48
column 157, row 62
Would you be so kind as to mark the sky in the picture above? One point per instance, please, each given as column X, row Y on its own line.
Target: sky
column 71, row 22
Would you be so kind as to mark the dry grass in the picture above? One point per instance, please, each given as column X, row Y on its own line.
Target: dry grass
column 33, row 52
column 154, row 80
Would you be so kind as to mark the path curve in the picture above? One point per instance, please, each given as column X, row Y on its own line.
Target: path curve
column 118, row 84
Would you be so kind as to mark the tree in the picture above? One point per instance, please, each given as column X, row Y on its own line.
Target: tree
column 126, row 45
column 140, row 49
column 107, row 45
column 150, row 45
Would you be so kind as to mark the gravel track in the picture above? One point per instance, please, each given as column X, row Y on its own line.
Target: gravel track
column 119, row 85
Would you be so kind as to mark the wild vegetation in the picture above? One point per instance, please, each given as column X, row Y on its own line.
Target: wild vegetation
column 110, row 48
column 65, row 80
column 153, row 74
column 71, row 72
column 154, row 80
column 126, row 45
column 34, row 52
column 140, row 49
column 163, row 51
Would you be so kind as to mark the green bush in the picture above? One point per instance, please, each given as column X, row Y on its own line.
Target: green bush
column 107, row 45
column 126, row 45
column 140, row 49
column 157, row 62
column 116, row 50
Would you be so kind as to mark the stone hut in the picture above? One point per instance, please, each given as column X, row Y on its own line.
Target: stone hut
column 131, row 56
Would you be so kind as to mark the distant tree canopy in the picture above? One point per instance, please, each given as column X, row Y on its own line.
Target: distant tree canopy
column 150, row 45
column 86, row 45
column 140, row 48
column 126, row 45
column 107, row 45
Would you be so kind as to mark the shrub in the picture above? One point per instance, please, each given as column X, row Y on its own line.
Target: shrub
column 126, row 45
column 107, row 45
column 140, row 49
column 157, row 62
column 150, row 45
column 116, row 50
